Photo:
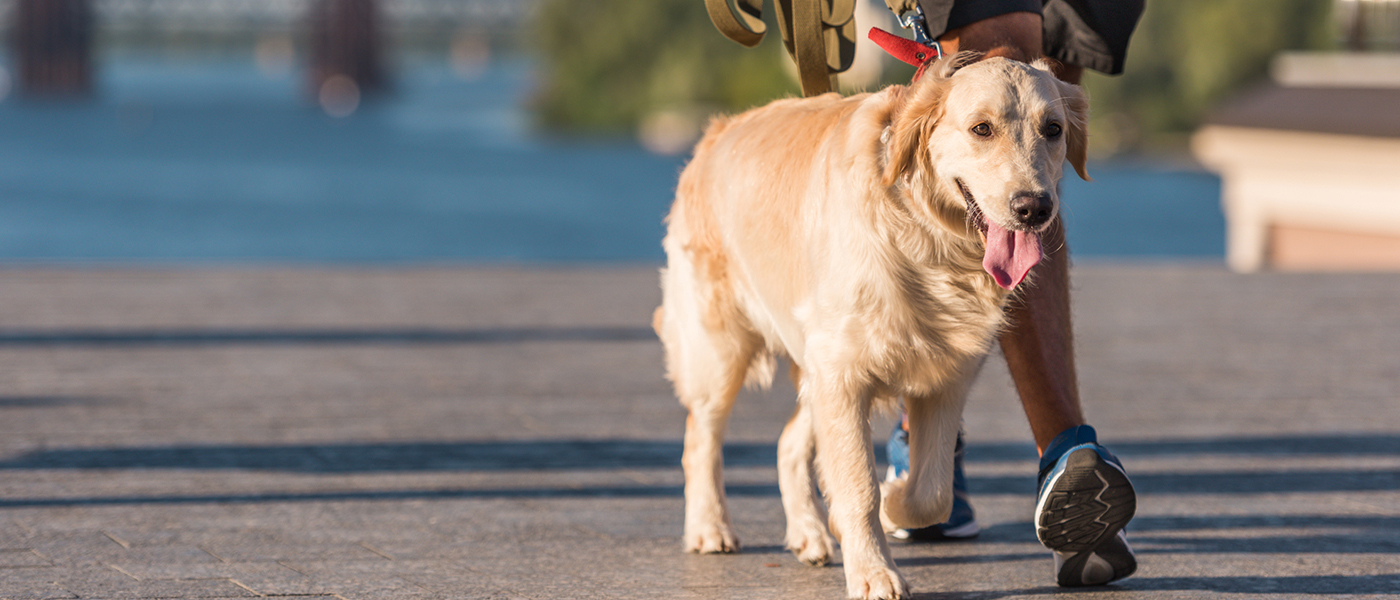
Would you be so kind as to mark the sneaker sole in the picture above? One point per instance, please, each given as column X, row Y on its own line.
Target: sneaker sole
column 1087, row 502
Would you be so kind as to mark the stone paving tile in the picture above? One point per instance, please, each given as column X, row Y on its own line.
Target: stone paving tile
column 266, row 578
column 115, row 585
column 322, row 569
column 10, row 559
column 34, row 583
column 12, row 532
column 366, row 580
column 466, row 585
column 236, row 552
column 73, row 547
column 80, row 552
column 38, row 591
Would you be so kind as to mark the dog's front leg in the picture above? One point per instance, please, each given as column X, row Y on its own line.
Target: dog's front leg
column 842, row 424
column 925, row 495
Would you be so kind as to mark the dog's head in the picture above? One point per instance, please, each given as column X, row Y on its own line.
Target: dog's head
column 983, row 143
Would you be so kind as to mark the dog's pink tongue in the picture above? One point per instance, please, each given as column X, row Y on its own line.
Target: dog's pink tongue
column 1010, row 254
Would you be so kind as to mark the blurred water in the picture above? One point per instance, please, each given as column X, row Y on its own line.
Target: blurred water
column 1144, row 210
column 218, row 161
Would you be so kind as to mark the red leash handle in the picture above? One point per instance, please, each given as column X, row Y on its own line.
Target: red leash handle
column 905, row 49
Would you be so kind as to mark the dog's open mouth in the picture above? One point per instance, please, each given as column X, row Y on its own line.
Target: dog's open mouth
column 974, row 212
column 1010, row 254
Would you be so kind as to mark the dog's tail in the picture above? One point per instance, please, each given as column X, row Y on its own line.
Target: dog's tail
column 761, row 368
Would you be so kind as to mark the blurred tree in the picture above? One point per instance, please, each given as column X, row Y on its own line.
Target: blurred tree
column 1188, row 55
column 608, row 64
column 606, row 67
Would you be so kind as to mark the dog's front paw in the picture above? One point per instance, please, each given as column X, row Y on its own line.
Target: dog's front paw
column 877, row 582
column 898, row 510
column 711, row 539
column 892, row 500
column 812, row 545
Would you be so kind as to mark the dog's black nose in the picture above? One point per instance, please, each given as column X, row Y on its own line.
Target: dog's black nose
column 1032, row 209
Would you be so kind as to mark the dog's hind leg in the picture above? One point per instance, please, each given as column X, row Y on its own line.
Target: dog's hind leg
column 807, row 535
column 925, row 495
column 706, row 360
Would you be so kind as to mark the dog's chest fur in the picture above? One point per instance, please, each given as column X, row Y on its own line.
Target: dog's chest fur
column 918, row 327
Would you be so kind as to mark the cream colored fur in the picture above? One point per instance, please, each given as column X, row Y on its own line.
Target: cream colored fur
column 833, row 231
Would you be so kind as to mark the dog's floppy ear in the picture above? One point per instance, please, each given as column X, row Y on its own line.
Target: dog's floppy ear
column 916, row 112
column 912, row 120
column 1076, row 126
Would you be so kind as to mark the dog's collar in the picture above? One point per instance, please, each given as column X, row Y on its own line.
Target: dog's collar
column 885, row 145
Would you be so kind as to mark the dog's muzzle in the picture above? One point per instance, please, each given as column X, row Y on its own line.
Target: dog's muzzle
column 1010, row 254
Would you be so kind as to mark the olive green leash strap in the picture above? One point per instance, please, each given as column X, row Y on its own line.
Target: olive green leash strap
column 839, row 17
column 738, row 20
column 820, row 35
column 810, row 47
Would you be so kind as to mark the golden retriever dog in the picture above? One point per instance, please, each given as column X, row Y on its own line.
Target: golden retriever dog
column 874, row 240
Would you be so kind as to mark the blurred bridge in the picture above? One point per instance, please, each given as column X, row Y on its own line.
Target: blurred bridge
column 52, row 41
column 238, row 14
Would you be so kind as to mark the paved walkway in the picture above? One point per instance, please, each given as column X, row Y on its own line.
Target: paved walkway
column 506, row 433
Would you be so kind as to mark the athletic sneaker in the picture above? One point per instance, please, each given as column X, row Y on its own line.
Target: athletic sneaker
column 962, row 523
column 1085, row 500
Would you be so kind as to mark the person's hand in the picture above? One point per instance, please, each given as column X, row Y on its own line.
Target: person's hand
column 902, row 6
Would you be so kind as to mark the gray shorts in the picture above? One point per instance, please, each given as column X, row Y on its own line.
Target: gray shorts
column 1089, row 33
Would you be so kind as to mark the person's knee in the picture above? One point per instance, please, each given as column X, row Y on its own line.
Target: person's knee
column 1015, row 35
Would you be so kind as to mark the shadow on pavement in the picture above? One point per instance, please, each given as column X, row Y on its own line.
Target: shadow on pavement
column 1303, row 584
column 602, row 455
column 1221, row 482
column 1330, row 534
column 1290, row 585
column 49, row 401
column 631, row 491
column 534, row 455
column 549, row 455
column 302, row 337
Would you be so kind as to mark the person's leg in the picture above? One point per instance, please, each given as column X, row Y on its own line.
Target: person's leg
column 1014, row 35
column 1039, row 348
column 1038, row 344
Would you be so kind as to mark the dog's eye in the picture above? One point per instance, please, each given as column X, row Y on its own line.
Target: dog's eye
column 982, row 129
column 1053, row 130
